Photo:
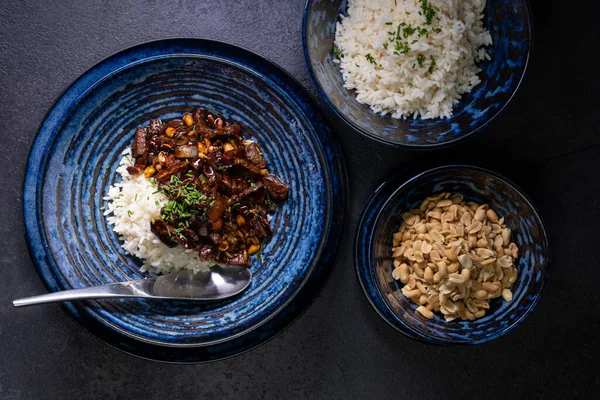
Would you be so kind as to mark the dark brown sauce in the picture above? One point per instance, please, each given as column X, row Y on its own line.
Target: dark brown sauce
column 219, row 188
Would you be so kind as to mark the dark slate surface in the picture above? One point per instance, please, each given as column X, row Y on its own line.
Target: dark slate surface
column 546, row 141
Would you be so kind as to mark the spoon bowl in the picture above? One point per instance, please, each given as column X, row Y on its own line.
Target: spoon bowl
column 220, row 282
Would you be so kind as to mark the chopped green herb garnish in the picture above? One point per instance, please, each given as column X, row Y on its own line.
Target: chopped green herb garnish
column 436, row 30
column 252, row 184
column 370, row 59
column 385, row 45
column 89, row 218
column 102, row 208
column 336, row 51
column 427, row 11
column 420, row 59
column 135, row 199
column 388, row 23
column 129, row 212
column 408, row 31
column 431, row 66
column 401, row 48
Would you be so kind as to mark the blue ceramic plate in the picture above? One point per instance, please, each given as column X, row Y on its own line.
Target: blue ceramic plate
column 72, row 165
column 382, row 217
column 509, row 24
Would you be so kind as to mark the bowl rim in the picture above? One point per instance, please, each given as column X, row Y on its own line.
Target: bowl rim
column 365, row 267
column 425, row 146
column 286, row 313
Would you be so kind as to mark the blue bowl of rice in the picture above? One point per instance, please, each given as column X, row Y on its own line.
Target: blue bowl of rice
column 374, row 248
column 417, row 73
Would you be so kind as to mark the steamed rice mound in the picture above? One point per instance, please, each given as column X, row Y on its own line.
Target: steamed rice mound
column 132, row 204
column 423, row 74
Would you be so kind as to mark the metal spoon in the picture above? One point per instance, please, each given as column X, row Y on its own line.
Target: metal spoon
column 221, row 282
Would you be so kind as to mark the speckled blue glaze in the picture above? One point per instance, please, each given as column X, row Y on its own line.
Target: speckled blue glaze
column 382, row 217
column 509, row 24
column 72, row 164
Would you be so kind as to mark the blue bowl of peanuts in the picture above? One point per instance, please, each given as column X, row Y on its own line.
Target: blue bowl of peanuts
column 455, row 255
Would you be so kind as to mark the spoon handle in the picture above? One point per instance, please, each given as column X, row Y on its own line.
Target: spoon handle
column 112, row 290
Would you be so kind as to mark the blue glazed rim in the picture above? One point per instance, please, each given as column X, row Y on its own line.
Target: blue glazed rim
column 426, row 146
column 335, row 177
column 363, row 257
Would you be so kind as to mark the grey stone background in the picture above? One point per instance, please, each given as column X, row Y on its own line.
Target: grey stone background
column 546, row 141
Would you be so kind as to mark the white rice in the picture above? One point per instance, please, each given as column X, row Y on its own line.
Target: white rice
column 132, row 204
column 397, row 85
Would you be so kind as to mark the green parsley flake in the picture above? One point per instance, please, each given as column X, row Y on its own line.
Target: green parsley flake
column 420, row 59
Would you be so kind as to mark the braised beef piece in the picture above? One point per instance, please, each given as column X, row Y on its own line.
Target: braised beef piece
column 132, row 170
column 208, row 252
column 261, row 227
column 253, row 154
column 164, row 175
column 165, row 232
column 217, row 184
column 232, row 130
column 253, row 189
column 140, row 147
column 228, row 185
column 245, row 168
column 161, row 143
column 192, row 240
column 276, row 188
column 156, row 127
column 199, row 117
